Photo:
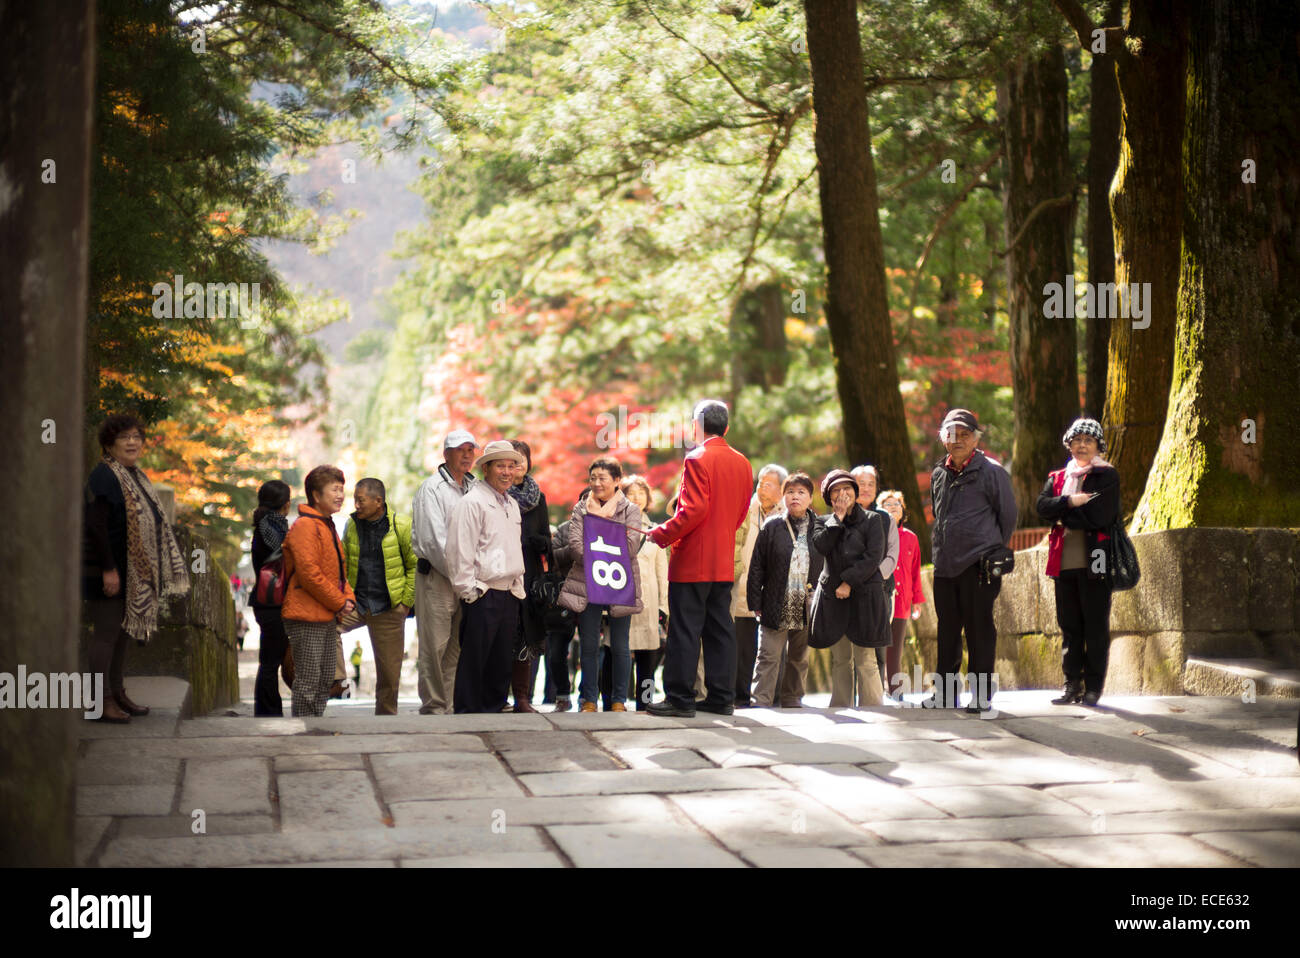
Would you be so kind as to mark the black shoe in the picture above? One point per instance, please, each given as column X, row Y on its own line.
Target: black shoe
column 975, row 708
column 666, row 708
column 1090, row 698
column 1072, row 694
column 703, row 705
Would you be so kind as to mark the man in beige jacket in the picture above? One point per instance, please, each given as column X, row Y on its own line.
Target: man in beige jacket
column 485, row 558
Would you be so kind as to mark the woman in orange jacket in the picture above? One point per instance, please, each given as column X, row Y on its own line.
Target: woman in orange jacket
column 318, row 594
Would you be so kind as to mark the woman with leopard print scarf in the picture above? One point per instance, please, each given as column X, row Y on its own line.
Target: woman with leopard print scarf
column 131, row 560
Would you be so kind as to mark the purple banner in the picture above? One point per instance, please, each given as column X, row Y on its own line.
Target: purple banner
column 607, row 563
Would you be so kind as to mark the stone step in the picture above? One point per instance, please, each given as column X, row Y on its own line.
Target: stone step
column 1235, row 677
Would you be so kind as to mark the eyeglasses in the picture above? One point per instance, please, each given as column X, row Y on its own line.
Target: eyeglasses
column 128, row 436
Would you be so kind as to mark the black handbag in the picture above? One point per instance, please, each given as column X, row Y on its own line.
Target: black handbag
column 997, row 563
column 1124, row 571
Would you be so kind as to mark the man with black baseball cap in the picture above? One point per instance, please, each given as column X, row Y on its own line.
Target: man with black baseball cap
column 974, row 515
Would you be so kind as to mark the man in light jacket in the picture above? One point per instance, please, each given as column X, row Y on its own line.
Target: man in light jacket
column 974, row 514
column 485, row 556
column 437, row 610
column 765, row 504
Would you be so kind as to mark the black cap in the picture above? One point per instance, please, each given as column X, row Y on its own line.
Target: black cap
column 961, row 417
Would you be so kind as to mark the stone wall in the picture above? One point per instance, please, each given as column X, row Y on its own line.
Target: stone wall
column 196, row 635
column 1204, row 593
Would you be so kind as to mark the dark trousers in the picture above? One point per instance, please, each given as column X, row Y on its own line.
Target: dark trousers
column 746, row 655
column 964, row 602
column 108, row 644
column 700, row 612
column 270, row 658
column 1083, row 611
column 642, row 690
column 559, row 680
column 487, row 644
column 894, row 656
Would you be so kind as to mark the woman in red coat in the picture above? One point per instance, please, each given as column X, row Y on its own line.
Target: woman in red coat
column 907, row 586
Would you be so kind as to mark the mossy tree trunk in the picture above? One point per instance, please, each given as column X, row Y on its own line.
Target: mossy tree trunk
column 857, row 304
column 1146, row 206
column 1099, row 237
column 46, row 73
column 1033, row 108
column 1228, row 456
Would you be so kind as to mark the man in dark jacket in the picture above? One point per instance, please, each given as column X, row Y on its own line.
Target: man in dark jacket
column 974, row 515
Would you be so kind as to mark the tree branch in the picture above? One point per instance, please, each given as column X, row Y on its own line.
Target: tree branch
column 1041, row 208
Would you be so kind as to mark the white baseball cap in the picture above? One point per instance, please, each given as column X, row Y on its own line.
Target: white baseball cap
column 458, row 437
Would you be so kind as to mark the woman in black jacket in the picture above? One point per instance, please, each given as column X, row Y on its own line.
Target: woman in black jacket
column 535, row 530
column 270, row 526
column 1082, row 499
column 849, row 604
column 782, row 575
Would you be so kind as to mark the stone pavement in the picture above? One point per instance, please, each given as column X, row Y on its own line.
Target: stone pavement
column 1150, row 782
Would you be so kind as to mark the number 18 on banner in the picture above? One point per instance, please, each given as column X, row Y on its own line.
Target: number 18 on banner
column 606, row 562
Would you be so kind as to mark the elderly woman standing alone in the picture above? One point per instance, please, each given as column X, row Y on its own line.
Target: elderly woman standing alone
column 318, row 594
column 1082, row 499
column 131, row 561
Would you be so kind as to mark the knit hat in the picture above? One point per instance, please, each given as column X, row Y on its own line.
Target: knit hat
column 1085, row 427
column 834, row 478
column 498, row 449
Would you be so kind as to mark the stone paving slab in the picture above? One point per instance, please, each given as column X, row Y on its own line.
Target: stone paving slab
column 1130, row 851
column 129, row 770
column 1009, row 771
column 831, row 753
column 431, row 724
column 777, row 856
column 86, row 834
column 329, row 845
column 242, row 727
column 327, row 801
column 159, row 723
column 692, row 738
column 997, row 749
column 227, row 786
column 373, row 863
column 319, row 763
column 1265, row 849
column 1056, row 826
column 490, row 860
column 125, row 799
column 855, row 794
column 648, row 781
column 180, row 826
column 422, row 776
column 287, row 745
column 512, row 812
column 1237, row 749
column 1183, row 796
column 995, row 801
column 959, row 855
column 550, row 751
column 640, row 845
column 612, row 721
column 934, row 731
column 746, row 819
column 675, row 758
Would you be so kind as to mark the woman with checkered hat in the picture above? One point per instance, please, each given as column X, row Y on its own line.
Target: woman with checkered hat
column 1082, row 500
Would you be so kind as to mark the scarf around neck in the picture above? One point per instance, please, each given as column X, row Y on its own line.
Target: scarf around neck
column 1074, row 473
column 155, row 568
column 527, row 493
column 607, row 510
column 273, row 528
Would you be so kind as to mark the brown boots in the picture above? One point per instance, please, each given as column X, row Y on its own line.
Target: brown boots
column 520, row 675
column 128, row 706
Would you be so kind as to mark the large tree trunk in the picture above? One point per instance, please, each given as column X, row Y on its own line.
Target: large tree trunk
column 760, row 356
column 1228, row 456
column 1033, row 107
column 46, row 72
column 1146, row 204
column 857, row 305
column 1103, row 155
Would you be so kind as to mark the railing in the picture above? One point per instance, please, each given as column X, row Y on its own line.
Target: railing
column 1028, row 538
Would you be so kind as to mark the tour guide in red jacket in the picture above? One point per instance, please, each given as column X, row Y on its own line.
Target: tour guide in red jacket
column 713, row 503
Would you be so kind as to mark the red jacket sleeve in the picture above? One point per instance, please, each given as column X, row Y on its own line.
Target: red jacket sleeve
column 692, row 505
column 918, row 594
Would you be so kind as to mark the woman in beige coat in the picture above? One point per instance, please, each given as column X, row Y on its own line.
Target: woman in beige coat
column 647, row 625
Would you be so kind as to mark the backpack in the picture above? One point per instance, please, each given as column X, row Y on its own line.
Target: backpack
column 271, row 581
